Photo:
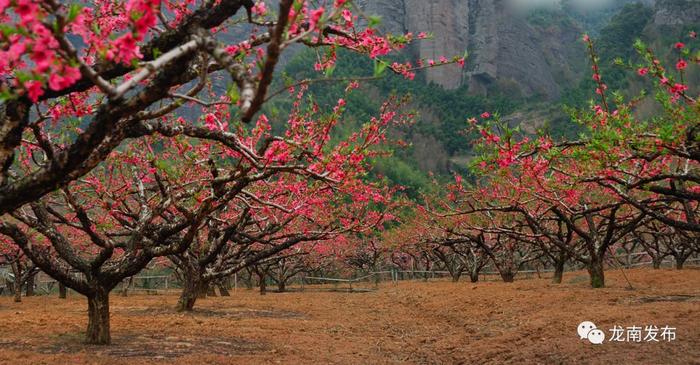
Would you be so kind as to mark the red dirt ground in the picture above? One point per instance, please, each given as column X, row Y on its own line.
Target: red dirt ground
column 529, row 321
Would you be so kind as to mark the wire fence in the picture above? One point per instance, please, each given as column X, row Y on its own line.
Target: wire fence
column 363, row 282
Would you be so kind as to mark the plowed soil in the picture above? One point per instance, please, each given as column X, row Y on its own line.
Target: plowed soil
column 434, row 322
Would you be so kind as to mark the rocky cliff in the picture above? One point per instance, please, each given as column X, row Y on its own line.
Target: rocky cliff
column 677, row 12
column 506, row 51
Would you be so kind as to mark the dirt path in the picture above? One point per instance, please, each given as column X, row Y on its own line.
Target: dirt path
column 529, row 321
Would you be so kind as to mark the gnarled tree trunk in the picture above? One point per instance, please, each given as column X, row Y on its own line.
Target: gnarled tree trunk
column 474, row 274
column 680, row 261
column 507, row 276
column 474, row 277
column 17, row 285
column 203, row 289
column 262, row 284
column 558, row 272
column 98, row 318
column 30, row 285
column 192, row 289
column 62, row 291
column 18, row 292
column 211, row 290
column 596, row 272
column 223, row 290
column 126, row 285
column 456, row 275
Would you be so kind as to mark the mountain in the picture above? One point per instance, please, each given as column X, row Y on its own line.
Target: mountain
column 525, row 47
column 526, row 61
column 505, row 50
column 676, row 12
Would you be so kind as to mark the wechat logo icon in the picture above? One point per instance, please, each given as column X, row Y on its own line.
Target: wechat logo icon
column 588, row 330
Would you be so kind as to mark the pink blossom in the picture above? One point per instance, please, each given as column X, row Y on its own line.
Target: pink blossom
column 232, row 49
column 61, row 81
column 352, row 85
column 315, row 17
column 34, row 90
column 211, row 122
column 678, row 88
column 26, row 9
column 259, row 8
column 41, row 56
column 347, row 15
column 680, row 45
column 681, row 65
column 486, row 115
column 145, row 22
column 643, row 71
column 126, row 49
column 16, row 50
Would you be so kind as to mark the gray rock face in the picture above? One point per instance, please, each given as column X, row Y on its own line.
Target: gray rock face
column 677, row 12
column 504, row 49
column 442, row 18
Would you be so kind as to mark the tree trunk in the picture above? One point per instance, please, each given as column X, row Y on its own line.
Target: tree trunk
column 596, row 273
column 125, row 286
column 507, row 276
column 18, row 292
column 211, row 292
column 17, row 285
column 62, row 292
column 248, row 280
column 191, row 290
column 474, row 274
column 98, row 318
column 223, row 291
column 656, row 262
column 202, row 292
column 455, row 276
column 281, row 286
column 262, row 284
column 680, row 260
column 558, row 272
column 30, row 285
